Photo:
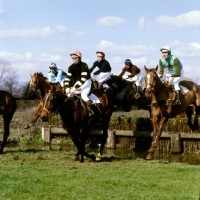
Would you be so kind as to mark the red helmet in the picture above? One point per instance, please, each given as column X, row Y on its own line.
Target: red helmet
column 76, row 53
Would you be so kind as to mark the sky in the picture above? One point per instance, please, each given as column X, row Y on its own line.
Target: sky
column 35, row 33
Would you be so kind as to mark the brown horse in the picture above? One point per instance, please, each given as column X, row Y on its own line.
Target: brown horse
column 75, row 117
column 8, row 107
column 162, row 99
column 39, row 81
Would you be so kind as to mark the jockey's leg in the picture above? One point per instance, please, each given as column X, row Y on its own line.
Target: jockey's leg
column 85, row 88
column 176, row 82
column 102, row 77
column 138, row 85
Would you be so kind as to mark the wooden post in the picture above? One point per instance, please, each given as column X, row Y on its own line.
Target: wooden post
column 111, row 140
column 175, row 143
column 46, row 135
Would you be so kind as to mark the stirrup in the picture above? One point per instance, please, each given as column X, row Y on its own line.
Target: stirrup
column 177, row 102
column 137, row 95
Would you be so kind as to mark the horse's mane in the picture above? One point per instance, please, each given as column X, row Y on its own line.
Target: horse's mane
column 39, row 74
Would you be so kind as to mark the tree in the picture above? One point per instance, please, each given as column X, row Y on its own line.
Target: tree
column 9, row 79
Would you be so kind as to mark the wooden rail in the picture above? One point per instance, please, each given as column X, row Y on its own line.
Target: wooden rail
column 47, row 134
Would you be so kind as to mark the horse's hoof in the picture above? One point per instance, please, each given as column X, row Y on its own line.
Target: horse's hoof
column 98, row 158
column 93, row 157
column 149, row 156
column 1, row 151
column 76, row 158
column 82, row 161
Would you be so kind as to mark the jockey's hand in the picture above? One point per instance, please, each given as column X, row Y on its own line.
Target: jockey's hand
column 47, row 81
column 73, row 90
column 168, row 75
column 67, row 90
column 160, row 75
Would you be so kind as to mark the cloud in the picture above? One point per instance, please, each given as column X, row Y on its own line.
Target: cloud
column 111, row 21
column 186, row 20
column 44, row 57
column 185, row 49
column 27, row 33
column 13, row 57
column 38, row 32
column 126, row 50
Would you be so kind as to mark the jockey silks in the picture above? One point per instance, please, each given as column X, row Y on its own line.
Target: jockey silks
column 79, row 72
column 57, row 76
column 104, row 66
column 172, row 64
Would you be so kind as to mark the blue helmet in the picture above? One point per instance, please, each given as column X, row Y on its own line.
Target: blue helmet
column 127, row 61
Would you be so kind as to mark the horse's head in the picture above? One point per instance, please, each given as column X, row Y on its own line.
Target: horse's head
column 34, row 82
column 151, row 80
column 51, row 102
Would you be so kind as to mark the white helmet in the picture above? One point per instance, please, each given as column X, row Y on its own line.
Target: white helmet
column 166, row 49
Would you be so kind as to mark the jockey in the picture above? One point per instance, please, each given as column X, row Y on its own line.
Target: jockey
column 134, row 76
column 103, row 69
column 56, row 75
column 174, row 70
column 80, row 73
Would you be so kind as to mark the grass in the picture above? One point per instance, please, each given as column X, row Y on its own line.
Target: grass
column 35, row 174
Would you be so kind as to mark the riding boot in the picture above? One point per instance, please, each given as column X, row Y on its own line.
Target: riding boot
column 100, row 85
column 89, row 107
column 178, row 97
column 137, row 95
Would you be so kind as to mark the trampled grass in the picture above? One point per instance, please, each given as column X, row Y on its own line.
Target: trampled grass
column 37, row 174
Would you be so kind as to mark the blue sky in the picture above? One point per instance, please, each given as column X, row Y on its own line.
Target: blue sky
column 35, row 33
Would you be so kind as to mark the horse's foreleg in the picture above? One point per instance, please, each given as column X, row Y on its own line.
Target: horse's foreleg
column 6, row 120
column 35, row 116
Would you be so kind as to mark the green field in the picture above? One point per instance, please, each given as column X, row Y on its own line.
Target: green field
column 37, row 174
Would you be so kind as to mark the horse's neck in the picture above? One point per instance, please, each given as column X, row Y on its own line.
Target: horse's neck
column 43, row 86
column 162, row 93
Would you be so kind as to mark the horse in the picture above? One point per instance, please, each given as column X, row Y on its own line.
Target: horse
column 39, row 81
column 76, row 120
column 162, row 98
column 128, row 91
column 8, row 107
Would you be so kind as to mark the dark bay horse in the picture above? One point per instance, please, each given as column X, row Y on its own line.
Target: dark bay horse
column 76, row 120
column 8, row 107
column 162, row 99
column 39, row 82
column 125, row 91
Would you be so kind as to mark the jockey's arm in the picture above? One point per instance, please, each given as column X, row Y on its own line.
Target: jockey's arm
column 92, row 68
column 68, row 78
column 104, row 65
column 161, row 68
column 84, row 73
column 122, row 72
column 177, row 68
column 133, row 72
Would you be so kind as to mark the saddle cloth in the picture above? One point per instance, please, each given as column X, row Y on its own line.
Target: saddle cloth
column 92, row 97
column 184, row 88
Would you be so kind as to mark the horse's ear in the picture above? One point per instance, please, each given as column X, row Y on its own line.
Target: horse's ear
column 30, row 74
column 156, row 67
column 146, row 69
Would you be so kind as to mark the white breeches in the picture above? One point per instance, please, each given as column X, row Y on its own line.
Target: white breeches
column 62, row 82
column 102, row 77
column 138, row 78
column 85, row 90
column 175, row 80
